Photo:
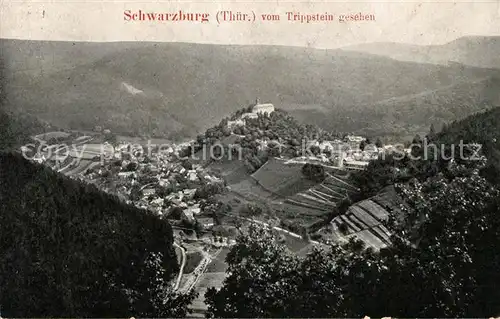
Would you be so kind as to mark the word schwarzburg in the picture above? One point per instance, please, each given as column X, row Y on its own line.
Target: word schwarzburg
column 129, row 15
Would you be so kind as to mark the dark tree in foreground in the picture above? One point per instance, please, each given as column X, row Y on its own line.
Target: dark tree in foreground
column 362, row 145
column 443, row 263
column 314, row 172
column 69, row 250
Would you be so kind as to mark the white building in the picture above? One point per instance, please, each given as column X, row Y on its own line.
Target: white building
column 148, row 191
column 249, row 116
column 192, row 175
column 127, row 174
column 355, row 165
column 354, row 138
column 372, row 148
column 266, row 108
column 236, row 123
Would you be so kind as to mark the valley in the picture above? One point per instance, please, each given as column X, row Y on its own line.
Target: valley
column 210, row 201
column 284, row 173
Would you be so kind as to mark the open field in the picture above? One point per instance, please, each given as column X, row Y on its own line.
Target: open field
column 50, row 135
column 193, row 259
column 92, row 150
column 218, row 264
column 207, row 280
column 233, row 171
column 143, row 141
column 297, row 214
column 282, row 179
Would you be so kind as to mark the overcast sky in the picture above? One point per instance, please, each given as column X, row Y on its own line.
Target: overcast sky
column 396, row 21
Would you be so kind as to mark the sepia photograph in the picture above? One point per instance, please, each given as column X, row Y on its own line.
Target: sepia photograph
column 249, row 159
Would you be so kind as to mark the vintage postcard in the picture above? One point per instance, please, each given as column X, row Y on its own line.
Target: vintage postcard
column 226, row 158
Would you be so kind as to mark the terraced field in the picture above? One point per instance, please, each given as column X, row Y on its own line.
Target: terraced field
column 60, row 163
column 69, row 164
column 322, row 198
column 364, row 220
column 283, row 186
column 389, row 200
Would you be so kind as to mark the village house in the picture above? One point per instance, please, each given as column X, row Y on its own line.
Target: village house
column 193, row 210
column 131, row 174
column 249, row 116
column 354, row 164
column 187, row 215
column 189, row 193
column 354, row 141
column 157, row 202
column 239, row 122
column 354, row 138
column 163, row 182
column 192, row 175
column 371, row 148
column 148, row 192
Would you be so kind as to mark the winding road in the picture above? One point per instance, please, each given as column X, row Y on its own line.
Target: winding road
column 181, row 269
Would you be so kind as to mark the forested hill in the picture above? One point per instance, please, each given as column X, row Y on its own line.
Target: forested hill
column 171, row 89
column 16, row 129
column 482, row 128
column 69, row 250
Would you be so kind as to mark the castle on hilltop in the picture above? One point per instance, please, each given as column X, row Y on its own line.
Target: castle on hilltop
column 259, row 108
column 267, row 108
column 256, row 109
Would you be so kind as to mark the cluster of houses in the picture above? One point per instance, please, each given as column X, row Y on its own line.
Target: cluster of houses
column 345, row 154
column 159, row 182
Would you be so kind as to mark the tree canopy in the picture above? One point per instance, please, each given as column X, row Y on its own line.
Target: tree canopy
column 442, row 262
column 68, row 250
